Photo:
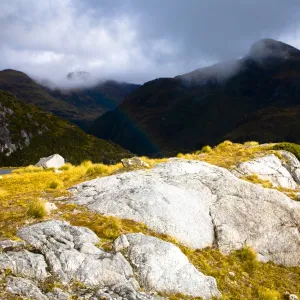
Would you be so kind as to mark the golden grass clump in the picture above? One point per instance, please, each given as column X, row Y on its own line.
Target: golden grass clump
column 254, row 178
column 206, row 149
column 55, row 184
column 228, row 155
column 269, row 294
column 37, row 209
column 66, row 167
column 3, row 192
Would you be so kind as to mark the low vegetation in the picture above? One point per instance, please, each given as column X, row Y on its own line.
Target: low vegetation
column 228, row 155
column 48, row 134
column 239, row 275
column 37, row 209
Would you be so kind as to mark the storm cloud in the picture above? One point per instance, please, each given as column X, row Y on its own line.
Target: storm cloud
column 136, row 40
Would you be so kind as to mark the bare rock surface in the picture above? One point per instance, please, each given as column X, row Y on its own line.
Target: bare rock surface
column 72, row 254
column 24, row 263
column 292, row 164
column 54, row 161
column 161, row 266
column 270, row 168
column 58, row 294
column 201, row 205
column 24, row 287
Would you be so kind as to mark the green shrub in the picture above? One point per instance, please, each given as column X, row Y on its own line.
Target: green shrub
column 290, row 147
column 37, row 209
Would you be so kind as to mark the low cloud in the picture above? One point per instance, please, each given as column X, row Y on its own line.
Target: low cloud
column 132, row 40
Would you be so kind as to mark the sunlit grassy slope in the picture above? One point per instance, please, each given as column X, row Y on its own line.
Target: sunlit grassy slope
column 239, row 275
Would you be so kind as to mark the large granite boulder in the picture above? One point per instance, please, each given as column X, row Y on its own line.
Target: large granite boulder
column 162, row 267
column 271, row 168
column 72, row 256
column 54, row 161
column 201, row 205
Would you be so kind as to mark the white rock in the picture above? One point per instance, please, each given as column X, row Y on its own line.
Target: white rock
column 70, row 253
column 201, row 205
column 24, row 287
column 134, row 162
column 292, row 164
column 24, row 263
column 269, row 168
column 11, row 245
column 120, row 243
column 58, row 294
column 53, row 161
column 293, row 297
column 162, row 267
column 50, row 207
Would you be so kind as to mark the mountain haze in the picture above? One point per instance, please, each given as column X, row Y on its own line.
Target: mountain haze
column 79, row 105
column 256, row 97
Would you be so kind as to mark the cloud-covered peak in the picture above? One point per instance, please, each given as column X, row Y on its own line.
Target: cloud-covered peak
column 133, row 40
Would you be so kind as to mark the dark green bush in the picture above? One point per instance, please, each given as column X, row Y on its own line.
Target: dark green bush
column 291, row 147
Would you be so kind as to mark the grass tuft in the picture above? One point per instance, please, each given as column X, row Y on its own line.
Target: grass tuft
column 37, row 209
column 55, row 184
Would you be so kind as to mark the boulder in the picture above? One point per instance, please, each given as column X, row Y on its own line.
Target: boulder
column 24, row 263
column 71, row 254
column 292, row 164
column 162, row 267
column 269, row 168
column 58, row 294
column 50, row 207
column 201, row 205
column 11, row 245
column 24, row 287
column 134, row 162
column 54, row 161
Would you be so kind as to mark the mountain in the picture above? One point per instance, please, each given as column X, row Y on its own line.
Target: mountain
column 93, row 101
column 80, row 105
column 28, row 133
column 256, row 97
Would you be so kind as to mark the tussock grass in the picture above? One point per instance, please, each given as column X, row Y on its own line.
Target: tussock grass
column 228, row 154
column 20, row 187
column 37, row 209
column 55, row 184
column 255, row 179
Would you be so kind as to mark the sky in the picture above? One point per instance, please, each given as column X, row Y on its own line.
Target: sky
column 136, row 40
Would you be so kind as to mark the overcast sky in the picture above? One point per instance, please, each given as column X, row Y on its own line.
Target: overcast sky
column 136, row 40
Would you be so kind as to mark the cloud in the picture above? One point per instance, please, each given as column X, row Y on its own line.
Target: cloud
column 133, row 40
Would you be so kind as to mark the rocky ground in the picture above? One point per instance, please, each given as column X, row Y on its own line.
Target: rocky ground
column 188, row 229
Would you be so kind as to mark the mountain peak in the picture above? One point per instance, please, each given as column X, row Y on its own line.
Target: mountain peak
column 79, row 76
column 265, row 50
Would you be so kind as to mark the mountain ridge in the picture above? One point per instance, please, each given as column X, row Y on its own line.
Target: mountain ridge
column 79, row 105
column 182, row 114
column 28, row 133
